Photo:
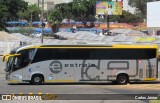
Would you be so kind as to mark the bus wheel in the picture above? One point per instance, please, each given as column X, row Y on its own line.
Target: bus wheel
column 122, row 79
column 37, row 79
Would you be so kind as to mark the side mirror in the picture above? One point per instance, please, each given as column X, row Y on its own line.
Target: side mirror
column 4, row 57
column 7, row 56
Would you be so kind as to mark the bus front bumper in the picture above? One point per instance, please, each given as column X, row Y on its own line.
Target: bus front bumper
column 9, row 79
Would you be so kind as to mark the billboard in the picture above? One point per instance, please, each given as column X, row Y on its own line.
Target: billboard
column 153, row 14
column 109, row 7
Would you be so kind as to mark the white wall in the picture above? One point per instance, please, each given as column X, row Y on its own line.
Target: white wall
column 153, row 14
column 7, row 46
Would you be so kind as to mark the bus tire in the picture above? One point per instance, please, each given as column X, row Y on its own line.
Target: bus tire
column 37, row 79
column 122, row 79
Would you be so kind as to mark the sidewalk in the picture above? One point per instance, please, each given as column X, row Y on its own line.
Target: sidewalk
column 2, row 66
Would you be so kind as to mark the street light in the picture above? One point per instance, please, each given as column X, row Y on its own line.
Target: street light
column 42, row 21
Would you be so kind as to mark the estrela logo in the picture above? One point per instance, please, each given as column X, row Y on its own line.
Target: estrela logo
column 55, row 67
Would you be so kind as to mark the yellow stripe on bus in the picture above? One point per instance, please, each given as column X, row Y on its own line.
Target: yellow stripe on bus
column 59, row 80
column 13, row 81
column 134, row 46
column 150, row 79
column 114, row 46
column 76, row 47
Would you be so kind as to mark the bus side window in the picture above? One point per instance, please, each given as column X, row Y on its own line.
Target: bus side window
column 25, row 62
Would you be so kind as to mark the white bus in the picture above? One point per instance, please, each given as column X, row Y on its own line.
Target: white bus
column 39, row 64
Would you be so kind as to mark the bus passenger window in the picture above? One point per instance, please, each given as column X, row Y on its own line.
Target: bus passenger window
column 25, row 62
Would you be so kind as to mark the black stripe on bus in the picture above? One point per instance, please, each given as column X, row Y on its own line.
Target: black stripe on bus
column 74, row 46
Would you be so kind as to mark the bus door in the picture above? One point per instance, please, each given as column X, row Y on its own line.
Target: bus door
column 147, row 69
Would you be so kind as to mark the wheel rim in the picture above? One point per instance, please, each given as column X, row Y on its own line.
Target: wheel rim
column 37, row 79
column 122, row 80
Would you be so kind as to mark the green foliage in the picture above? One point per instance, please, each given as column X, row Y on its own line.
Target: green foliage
column 9, row 9
column 127, row 17
column 22, row 31
column 55, row 19
column 31, row 13
column 79, row 10
column 83, row 9
column 155, row 101
column 141, row 6
column 130, row 18
column 65, row 9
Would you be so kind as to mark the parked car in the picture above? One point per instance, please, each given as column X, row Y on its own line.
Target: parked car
column 36, row 35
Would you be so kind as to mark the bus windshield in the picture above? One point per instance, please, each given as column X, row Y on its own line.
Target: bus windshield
column 23, row 60
column 16, row 62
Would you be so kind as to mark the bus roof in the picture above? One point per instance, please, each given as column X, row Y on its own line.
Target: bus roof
column 133, row 46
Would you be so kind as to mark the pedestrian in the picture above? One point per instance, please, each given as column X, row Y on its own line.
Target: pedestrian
column 74, row 28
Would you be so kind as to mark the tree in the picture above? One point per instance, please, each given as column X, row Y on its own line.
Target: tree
column 12, row 7
column 34, row 12
column 130, row 18
column 55, row 19
column 9, row 10
column 127, row 17
column 141, row 6
column 65, row 9
column 84, row 10
column 3, row 16
column 31, row 13
column 79, row 10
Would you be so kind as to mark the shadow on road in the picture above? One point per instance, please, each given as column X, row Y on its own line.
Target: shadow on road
column 147, row 82
column 64, row 84
column 108, row 83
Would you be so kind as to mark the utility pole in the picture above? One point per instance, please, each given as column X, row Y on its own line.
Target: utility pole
column 107, row 22
column 31, row 19
column 38, row 3
column 42, row 21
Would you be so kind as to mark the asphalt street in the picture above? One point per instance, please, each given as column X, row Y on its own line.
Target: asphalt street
column 70, row 90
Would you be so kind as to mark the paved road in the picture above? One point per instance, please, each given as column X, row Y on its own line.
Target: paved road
column 108, row 88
